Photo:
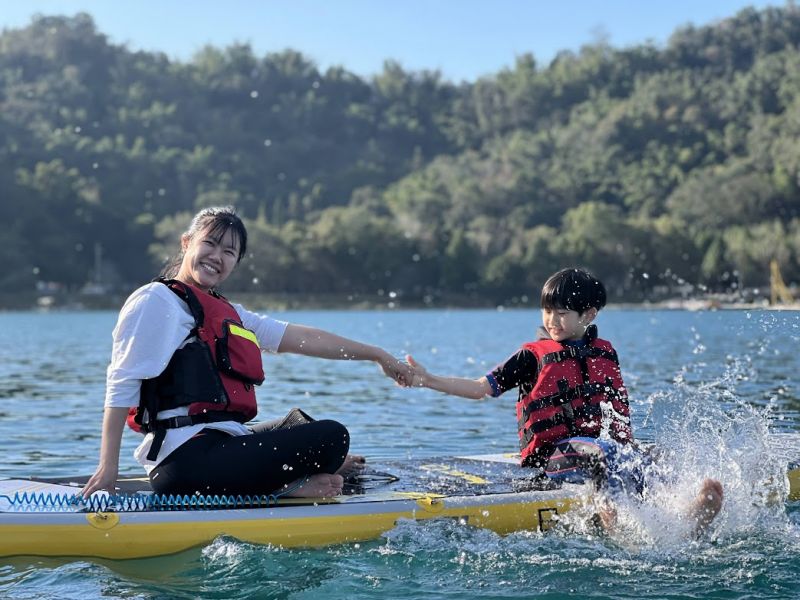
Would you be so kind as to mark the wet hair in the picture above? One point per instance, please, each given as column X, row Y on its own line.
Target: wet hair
column 573, row 289
column 214, row 221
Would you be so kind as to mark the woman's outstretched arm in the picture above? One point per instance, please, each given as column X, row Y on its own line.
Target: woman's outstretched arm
column 310, row 341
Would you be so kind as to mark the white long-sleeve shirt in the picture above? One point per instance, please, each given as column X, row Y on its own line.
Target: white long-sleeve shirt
column 153, row 323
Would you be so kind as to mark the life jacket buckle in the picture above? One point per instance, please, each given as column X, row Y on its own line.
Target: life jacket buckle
column 174, row 422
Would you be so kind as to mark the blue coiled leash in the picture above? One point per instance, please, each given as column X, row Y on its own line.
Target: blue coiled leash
column 142, row 502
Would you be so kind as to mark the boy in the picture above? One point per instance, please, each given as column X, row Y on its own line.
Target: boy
column 571, row 395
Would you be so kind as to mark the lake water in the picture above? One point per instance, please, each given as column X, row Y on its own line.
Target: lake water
column 712, row 387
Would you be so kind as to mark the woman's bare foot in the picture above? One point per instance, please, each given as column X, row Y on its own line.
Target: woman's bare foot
column 707, row 505
column 321, row 485
column 353, row 463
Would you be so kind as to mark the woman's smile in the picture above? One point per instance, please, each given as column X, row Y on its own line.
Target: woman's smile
column 208, row 261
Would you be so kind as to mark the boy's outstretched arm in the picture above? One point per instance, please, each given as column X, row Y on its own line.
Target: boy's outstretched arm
column 457, row 386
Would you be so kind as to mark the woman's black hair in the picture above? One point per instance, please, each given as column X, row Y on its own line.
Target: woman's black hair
column 213, row 221
column 573, row 289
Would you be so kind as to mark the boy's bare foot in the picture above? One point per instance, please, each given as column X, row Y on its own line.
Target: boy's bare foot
column 707, row 505
column 605, row 516
column 321, row 485
column 608, row 517
column 353, row 463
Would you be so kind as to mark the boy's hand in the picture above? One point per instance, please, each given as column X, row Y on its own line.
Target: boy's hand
column 457, row 386
column 420, row 374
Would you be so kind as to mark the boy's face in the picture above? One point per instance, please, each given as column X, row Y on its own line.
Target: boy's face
column 563, row 324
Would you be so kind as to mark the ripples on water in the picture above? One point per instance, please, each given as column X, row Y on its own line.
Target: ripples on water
column 710, row 389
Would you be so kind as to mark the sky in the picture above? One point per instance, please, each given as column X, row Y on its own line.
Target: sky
column 463, row 39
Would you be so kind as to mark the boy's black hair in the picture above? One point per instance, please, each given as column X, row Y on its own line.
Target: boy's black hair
column 573, row 289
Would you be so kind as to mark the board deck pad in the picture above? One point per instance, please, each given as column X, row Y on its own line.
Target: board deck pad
column 458, row 476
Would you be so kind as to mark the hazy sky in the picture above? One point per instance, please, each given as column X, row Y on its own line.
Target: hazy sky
column 464, row 39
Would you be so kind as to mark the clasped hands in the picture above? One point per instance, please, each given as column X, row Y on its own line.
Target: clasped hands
column 408, row 373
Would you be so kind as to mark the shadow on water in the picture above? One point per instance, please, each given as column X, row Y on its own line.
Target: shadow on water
column 224, row 569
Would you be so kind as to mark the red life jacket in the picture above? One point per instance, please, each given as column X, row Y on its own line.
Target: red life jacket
column 578, row 390
column 213, row 375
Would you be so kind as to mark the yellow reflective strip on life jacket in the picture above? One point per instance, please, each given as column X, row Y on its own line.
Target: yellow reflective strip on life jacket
column 242, row 332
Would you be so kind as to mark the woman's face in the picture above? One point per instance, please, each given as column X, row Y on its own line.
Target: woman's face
column 207, row 261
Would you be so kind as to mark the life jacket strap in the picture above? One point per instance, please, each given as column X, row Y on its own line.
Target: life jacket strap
column 187, row 295
column 566, row 395
column 585, row 411
column 159, row 428
column 578, row 353
column 528, row 433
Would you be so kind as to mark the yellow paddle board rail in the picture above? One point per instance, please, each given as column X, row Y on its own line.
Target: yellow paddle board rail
column 147, row 534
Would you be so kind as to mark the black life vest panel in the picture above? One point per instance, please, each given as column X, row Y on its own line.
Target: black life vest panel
column 213, row 374
column 578, row 390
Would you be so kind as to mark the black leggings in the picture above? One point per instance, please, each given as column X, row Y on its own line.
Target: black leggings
column 214, row 462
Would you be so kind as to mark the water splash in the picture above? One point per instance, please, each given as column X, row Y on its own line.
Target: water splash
column 705, row 430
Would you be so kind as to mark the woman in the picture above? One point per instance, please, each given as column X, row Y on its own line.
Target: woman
column 183, row 366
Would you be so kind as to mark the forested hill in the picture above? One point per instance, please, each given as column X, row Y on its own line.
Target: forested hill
column 649, row 165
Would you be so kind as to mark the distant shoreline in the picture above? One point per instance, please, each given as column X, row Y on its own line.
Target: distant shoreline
column 282, row 302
